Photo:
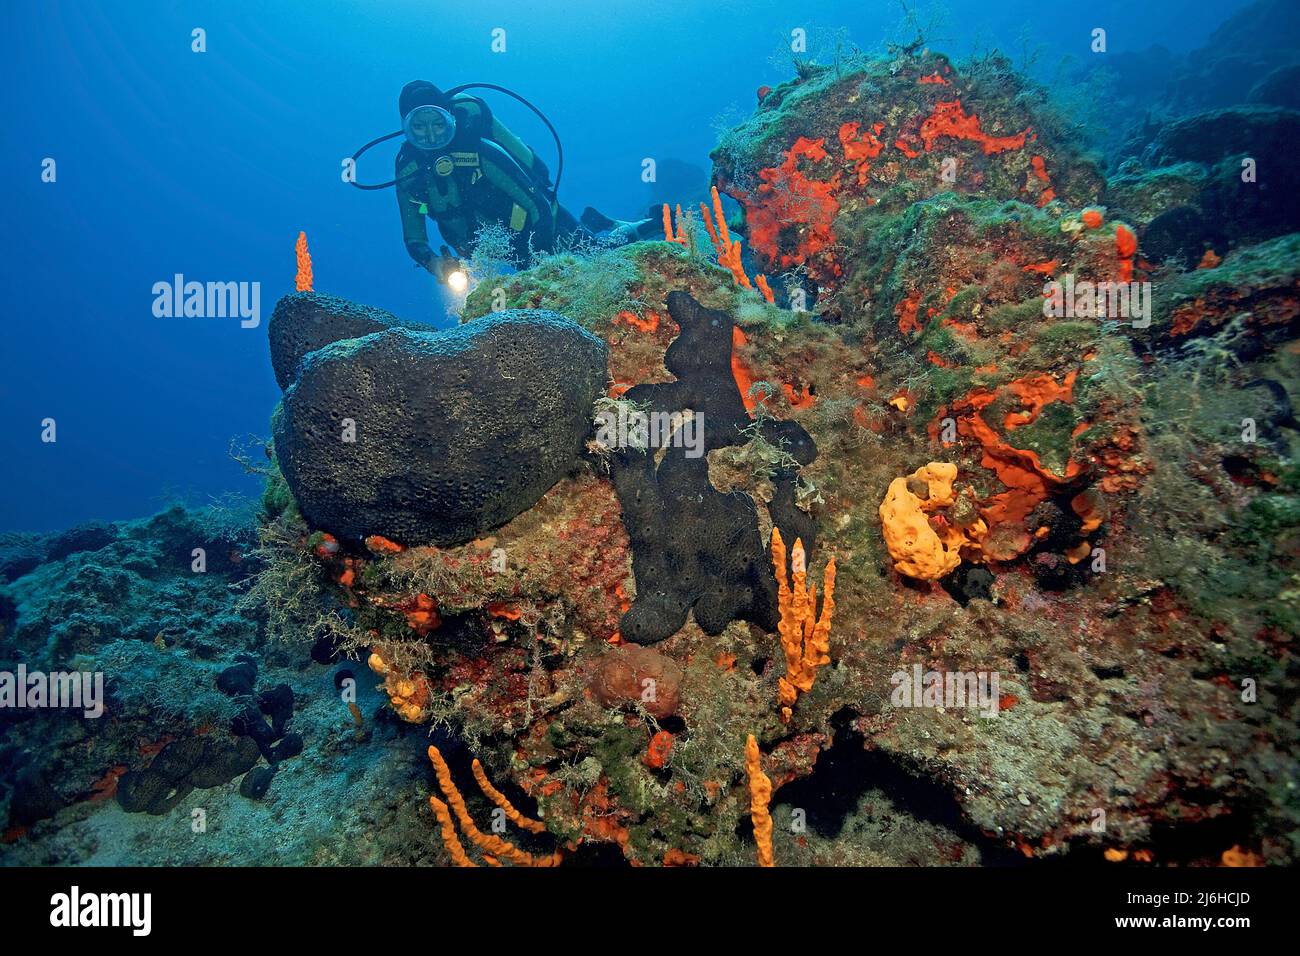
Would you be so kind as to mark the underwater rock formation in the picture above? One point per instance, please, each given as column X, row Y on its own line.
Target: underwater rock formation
column 1208, row 137
column 437, row 437
column 827, row 154
column 1250, row 46
column 1232, row 193
column 174, row 645
column 695, row 548
column 966, row 298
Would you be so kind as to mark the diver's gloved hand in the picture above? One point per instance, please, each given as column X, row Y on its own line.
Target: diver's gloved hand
column 442, row 265
column 419, row 252
column 625, row 232
column 621, row 231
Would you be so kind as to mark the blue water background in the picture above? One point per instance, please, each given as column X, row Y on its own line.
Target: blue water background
column 208, row 165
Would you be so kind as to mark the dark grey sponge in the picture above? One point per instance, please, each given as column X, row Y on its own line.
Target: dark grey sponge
column 303, row 322
column 456, row 432
column 694, row 548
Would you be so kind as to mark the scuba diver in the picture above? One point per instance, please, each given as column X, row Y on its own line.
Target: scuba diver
column 464, row 169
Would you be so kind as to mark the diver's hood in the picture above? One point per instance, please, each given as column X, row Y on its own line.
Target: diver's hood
column 435, row 130
column 429, row 127
column 420, row 93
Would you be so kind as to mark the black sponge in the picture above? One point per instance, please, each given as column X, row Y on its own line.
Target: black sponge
column 306, row 321
column 454, row 432
column 695, row 548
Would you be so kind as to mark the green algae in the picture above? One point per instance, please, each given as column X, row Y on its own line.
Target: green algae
column 1049, row 436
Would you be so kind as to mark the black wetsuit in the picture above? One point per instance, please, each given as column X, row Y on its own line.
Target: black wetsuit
column 485, row 175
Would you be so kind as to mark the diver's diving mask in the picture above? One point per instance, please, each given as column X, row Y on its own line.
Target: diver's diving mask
column 429, row 127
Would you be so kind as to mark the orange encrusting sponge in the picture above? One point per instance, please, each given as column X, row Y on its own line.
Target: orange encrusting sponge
column 449, row 838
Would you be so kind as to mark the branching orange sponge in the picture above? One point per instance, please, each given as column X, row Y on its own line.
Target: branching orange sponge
column 681, row 237
column 805, row 637
column 760, row 796
column 487, row 843
column 302, row 281
column 726, row 248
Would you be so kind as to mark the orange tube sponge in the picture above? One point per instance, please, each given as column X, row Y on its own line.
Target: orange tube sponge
column 918, row 549
column 760, row 795
column 708, row 224
column 763, row 287
column 499, row 798
column 805, row 637
column 302, row 281
column 724, row 236
column 488, row 843
column 449, row 838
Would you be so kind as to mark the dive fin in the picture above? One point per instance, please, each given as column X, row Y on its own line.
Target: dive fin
column 596, row 221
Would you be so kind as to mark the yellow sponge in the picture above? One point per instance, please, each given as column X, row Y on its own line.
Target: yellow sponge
column 918, row 549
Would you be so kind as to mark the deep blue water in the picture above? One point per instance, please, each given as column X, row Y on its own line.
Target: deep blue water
column 208, row 165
